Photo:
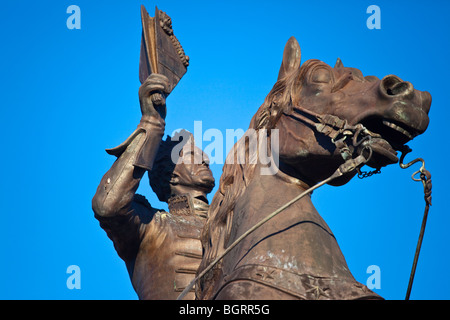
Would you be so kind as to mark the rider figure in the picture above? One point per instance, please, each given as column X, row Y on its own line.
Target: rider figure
column 162, row 250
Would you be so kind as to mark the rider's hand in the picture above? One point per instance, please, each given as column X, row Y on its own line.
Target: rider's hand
column 152, row 95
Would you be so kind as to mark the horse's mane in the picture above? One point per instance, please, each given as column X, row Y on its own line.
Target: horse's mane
column 236, row 176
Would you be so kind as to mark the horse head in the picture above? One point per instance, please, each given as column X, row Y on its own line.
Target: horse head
column 390, row 108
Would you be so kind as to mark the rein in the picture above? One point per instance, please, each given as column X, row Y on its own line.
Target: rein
column 334, row 127
column 425, row 178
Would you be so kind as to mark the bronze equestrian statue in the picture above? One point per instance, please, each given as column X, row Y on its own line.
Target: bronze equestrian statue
column 323, row 117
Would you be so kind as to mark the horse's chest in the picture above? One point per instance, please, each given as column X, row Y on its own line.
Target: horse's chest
column 296, row 239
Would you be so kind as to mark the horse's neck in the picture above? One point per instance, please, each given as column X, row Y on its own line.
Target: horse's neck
column 267, row 192
column 296, row 237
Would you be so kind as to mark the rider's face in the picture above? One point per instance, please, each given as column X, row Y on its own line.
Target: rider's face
column 192, row 173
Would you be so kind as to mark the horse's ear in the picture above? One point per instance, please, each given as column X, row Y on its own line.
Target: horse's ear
column 338, row 64
column 291, row 58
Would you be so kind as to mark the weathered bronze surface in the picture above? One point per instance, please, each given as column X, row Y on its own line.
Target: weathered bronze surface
column 323, row 116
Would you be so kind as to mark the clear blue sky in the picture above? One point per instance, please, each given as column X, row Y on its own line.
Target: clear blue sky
column 66, row 95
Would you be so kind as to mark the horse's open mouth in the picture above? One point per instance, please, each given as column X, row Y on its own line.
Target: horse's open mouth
column 393, row 136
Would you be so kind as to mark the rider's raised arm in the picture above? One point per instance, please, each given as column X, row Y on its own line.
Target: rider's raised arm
column 113, row 203
column 136, row 154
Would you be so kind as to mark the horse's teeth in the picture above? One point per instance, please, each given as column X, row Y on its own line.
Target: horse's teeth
column 399, row 129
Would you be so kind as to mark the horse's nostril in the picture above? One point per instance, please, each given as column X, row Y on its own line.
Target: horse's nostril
column 398, row 88
column 394, row 86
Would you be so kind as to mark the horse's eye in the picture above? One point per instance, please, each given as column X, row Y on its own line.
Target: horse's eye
column 321, row 75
